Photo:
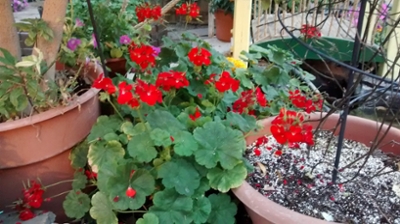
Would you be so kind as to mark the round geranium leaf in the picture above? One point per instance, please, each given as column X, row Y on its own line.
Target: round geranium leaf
column 171, row 207
column 201, row 210
column 218, row 143
column 184, row 143
column 103, row 126
column 164, row 120
column 161, row 137
column 100, row 153
column 101, row 209
column 181, row 175
column 223, row 179
column 141, row 181
column 76, row 204
column 78, row 155
column 148, row 218
column 223, row 210
column 141, row 147
column 80, row 180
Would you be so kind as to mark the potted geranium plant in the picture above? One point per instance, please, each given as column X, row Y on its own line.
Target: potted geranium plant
column 175, row 144
column 223, row 11
column 115, row 28
column 43, row 113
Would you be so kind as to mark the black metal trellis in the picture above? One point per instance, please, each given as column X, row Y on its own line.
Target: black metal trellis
column 96, row 37
column 350, row 82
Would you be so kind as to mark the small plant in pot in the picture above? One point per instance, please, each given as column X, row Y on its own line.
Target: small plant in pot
column 44, row 113
column 115, row 27
column 308, row 171
column 223, row 11
column 175, row 145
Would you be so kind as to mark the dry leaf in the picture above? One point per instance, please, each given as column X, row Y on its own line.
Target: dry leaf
column 262, row 168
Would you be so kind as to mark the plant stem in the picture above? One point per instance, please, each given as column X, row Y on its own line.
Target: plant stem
column 60, row 194
column 115, row 108
column 61, row 182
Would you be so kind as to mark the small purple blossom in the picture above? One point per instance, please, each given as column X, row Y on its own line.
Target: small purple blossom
column 124, row 39
column 156, row 50
column 94, row 41
column 73, row 43
column 78, row 23
column 384, row 12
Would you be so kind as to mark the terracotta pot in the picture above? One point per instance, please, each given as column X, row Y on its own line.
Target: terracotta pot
column 116, row 65
column 264, row 211
column 223, row 25
column 39, row 146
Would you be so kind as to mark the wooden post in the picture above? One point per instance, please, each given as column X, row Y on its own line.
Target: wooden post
column 9, row 39
column 210, row 22
column 241, row 27
column 392, row 47
column 372, row 22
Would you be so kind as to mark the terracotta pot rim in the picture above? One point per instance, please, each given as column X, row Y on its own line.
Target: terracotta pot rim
column 51, row 113
column 260, row 204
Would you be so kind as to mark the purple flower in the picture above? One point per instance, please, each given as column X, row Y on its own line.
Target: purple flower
column 124, row 39
column 73, row 43
column 94, row 41
column 78, row 23
column 156, row 50
column 384, row 11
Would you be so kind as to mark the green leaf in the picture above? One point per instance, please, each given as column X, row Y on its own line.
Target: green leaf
column 223, row 211
column 111, row 137
column 76, row 204
column 201, row 210
column 78, row 155
column 172, row 208
column 184, row 143
column 141, row 181
column 103, row 126
column 218, row 143
column 164, row 120
column 277, row 76
column 201, row 190
column 141, row 147
column 224, row 180
column 128, row 128
column 18, row 99
column 181, row 175
column 229, row 97
column 241, row 74
column 148, row 218
column 80, row 181
column 101, row 209
column 103, row 154
column 7, row 58
column 270, row 92
column 161, row 137
column 245, row 122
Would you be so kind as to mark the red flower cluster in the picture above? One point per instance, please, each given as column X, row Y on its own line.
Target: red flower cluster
column 288, row 127
column 199, row 56
column 148, row 93
column 301, row 101
column 90, row 174
column 130, row 192
column 145, row 11
column 105, row 84
column 171, row 79
column 224, row 83
column 33, row 198
column 143, row 55
column 192, row 10
column 248, row 99
column 310, row 31
column 196, row 114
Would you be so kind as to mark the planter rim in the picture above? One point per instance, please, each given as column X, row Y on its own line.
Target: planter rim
column 261, row 205
column 115, row 59
column 51, row 113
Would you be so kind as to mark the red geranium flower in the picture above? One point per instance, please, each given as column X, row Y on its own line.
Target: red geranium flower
column 199, row 56
column 104, row 84
column 148, row 93
column 196, row 115
column 172, row 79
column 26, row 214
column 310, row 31
column 226, row 82
column 143, row 55
column 125, row 95
column 261, row 99
column 90, row 174
column 145, row 11
column 245, row 101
